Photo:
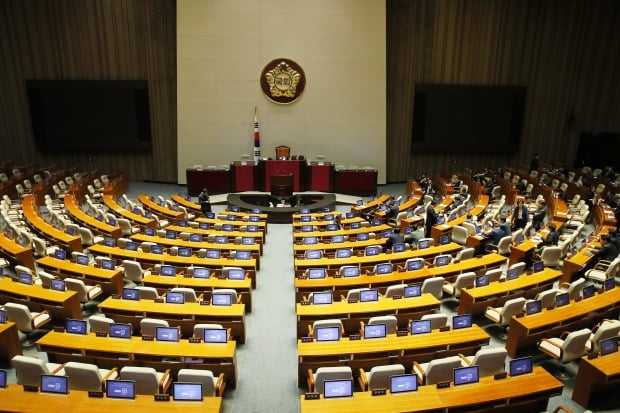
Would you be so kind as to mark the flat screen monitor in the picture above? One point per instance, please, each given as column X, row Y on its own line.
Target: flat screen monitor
column 231, row 217
column 203, row 225
column 424, row 243
column 327, row 333
column 175, row 297
column 24, row 278
column 1, row 272
column 562, row 299
column 76, row 326
column 363, row 236
column 182, row 223
column 512, row 274
column 51, row 383
column 482, row 280
column 403, row 383
column 82, row 259
column 478, row 229
column 412, row 291
column 137, row 211
column 254, row 218
column 420, row 327
column 520, row 366
column 588, row 291
column 533, row 307
column 442, row 260
column 210, row 215
column 221, row 299
column 236, row 274
column 69, row 230
column 343, row 253
column 316, row 273
column 356, row 225
column 2, row 316
column 256, row 211
column 227, row 227
column 466, row 375
column 306, row 228
column 324, row 297
column 107, row 264
column 310, row 240
column 157, row 249
column 452, row 216
column 313, row 254
column 60, row 254
column 369, row 295
column 348, row 215
column 201, row 272
column 132, row 246
column 250, row 228
column 221, row 239
column 399, row 247
column 332, row 227
column 170, row 234
column 384, row 268
column 441, row 220
column 120, row 389
column 337, row 239
column 187, row 392
column 415, row 264
column 304, row 211
column 305, row 218
column 58, row 285
column 248, row 240
column 461, row 321
column 359, row 202
column 195, row 237
column 131, row 294
column 326, row 209
column 372, row 250
column 375, row 330
column 167, row 334
column 337, row 388
column 444, row 239
column 386, row 233
column 215, row 254
column 168, row 270
column 120, row 330
column 520, row 239
column 3, row 374
column 109, row 242
column 185, row 252
column 149, row 231
column 234, row 208
column 608, row 345
column 350, row 271
column 538, row 266
column 243, row 255
column 215, row 335
column 375, row 222
column 383, row 207
column 609, row 283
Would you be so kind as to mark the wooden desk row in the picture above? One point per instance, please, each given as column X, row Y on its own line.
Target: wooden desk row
column 160, row 210
column 60, row 304
column 259, row 235
column 529, row 392
column 30, row 211
column 110, row 201
column 390, row 350
column 185, row 316
column 529, row 329
column 14, row 399
column 594, row 375
column 109, row 352
column 111, row 281
column 99, row 227
column 332, row 246
column 352, row 313
column 9, row 342
column 13, row 251
column 359, row 209
column 327, row 235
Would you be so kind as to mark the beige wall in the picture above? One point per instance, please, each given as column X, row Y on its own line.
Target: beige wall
column 222, row 47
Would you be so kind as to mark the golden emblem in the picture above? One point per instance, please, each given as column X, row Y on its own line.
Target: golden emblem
column 282, row 81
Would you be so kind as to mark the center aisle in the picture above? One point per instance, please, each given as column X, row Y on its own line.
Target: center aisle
column 267, row 362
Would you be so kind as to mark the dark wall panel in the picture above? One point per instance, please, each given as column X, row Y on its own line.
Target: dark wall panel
column 90, row 39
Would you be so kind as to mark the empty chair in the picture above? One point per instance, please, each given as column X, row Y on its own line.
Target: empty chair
column 438, row 320
column 429, row 241
column 188, row 293
column 148, row 380
column 389, row 320
column 442, row 259
column 604, row 270
column 379, row 376
column 317, row 379
column 490, row 361
column 85, row 292
column 147, row 293
column 330, row 322
column 394, row 291
column 605, row 329
column 502, row 247
column 148, row 326
column 27, row 322
column 433, row 285
column 464, row 280
column 574, row 289
column 29, row 369
column 126, row 227
column 547, row 297
column 471, row 228
column 465, row 254
column 518, row 266
column 413, row 263
column 502, row 315
column 309, row 254
column 199, row 329
column 212, row 386
column 234, row 297
column 354, row 294
column 133, row 271
column 88, row 238
column 459, row 235
column 84, row 376
column 437, row 370
column 551, row 256
column 46, row 279
column 386, row 268
column 566, row 348
column 227, row 270
column 494, row 274
column 99, row 324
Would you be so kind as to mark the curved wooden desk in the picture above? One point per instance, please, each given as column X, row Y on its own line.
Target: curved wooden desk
column 111, row 203
column 13, row 250
column 86, row 220
column 111, row 281
column 345, row 232
column 9, row 342
column 30, row 210
column 593, row 375
column 60, row 304
column 159, row 210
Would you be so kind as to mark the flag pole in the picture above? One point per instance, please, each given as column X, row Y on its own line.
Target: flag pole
column 256, row 137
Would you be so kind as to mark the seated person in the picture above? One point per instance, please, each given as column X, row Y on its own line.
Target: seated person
column 416, row 235
column 553, row 237
column 395, row 238
column 501, row 230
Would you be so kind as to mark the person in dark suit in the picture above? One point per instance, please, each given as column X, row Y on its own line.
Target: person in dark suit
column 395, row 238
column 553, row 237
column 520, row 215
column 204, row 201
column 500, row 231
column 608, row 250
column 431, row 218
column 539, row 215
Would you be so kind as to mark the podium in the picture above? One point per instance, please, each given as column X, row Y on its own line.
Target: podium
column 281, row 185
column 286, row 167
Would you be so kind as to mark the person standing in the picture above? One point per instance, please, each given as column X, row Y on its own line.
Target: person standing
column 431, row 218
column 520, row 215
column 539, row 215
column 204, row 201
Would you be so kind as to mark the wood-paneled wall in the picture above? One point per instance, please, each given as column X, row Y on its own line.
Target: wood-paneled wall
column 566, row 52
column 90, row 39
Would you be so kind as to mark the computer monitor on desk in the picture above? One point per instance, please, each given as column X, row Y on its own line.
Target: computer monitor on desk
column 167, row 334
column 316, row 273
column 337, row 388
column 322, row 297
column 375, row 331
column 520, row 366
column 131, row 294
column 25, row 278
column 327, row 333
column 51, row 383
column 403, row 383
column 120, row 389
column 608, row 345
column 310, row 240
column 412, row 290
column 420, row 327
column 168, row 270
column 533, row 307
column 58, row 285
column 175, row 297
column 369, row 295
column 201, row 272
column 120, row 330
column 191, row 392
column 461, row 321
column 466, row 375
column 223, row 299
column 215, row 335
column 76, row 326
column 337, row 239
